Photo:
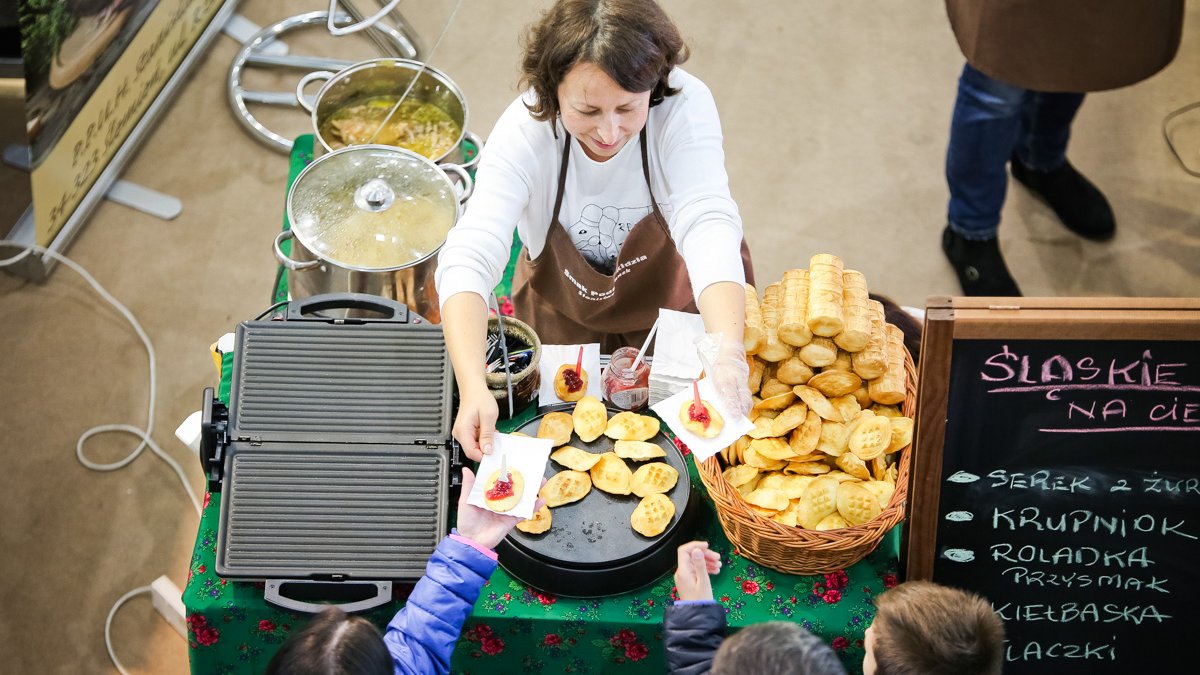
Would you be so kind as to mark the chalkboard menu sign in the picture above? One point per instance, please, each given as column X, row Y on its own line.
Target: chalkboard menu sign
column 1057, row 473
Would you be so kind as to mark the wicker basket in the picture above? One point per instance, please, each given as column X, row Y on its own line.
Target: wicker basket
column 795, row 550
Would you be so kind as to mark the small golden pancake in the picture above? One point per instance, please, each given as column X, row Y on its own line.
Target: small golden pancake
column 856, row 503
column 834, row 382
column 768, row 498
column 652, row 515
column 751, row 457
column 833, row 521
column 816, row 401
column 740, row 474
column 791, row 417
column 574, row 458
column 772, row 448
column 539, row 523
column 638, row 450
column 847, row 406
column 833, row 439
column 777, row 402
column 886, row 410
column 762, row 427
column 819, row 500
column 611, row 474
column 563, row 390
column 506, row 503
column 630, row 426
column 841, row 476
column 807, row 468
column 589, row 419
column 653, row 478
column 805, row 437
column 565, row 487
column 851, row 464
column 902, row 433
column 773, row 387
column 706, row 423
column 556, row 426
column 794, row 486
column 881, row 489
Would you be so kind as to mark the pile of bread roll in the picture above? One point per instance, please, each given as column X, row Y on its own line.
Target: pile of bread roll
column 827, row 376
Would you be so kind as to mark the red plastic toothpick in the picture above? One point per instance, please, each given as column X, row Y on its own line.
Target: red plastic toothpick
column 696, row 392
column 579, row 363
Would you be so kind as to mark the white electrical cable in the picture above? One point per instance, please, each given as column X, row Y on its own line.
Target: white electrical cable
column 128, row 428
column 108, row 621
column 144, row 435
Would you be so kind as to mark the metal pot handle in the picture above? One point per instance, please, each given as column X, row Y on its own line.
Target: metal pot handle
column 285, row 260
column 475, row 140
column 273, row 593
column 307, row 80
column 468, row 183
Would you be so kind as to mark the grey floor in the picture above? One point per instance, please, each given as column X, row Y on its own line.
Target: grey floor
column 835, row 118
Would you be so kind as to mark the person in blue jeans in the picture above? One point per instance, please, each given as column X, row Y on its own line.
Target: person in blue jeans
column 422, row 635
column 994, row 124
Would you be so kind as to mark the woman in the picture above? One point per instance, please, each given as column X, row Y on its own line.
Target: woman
column 612, row 170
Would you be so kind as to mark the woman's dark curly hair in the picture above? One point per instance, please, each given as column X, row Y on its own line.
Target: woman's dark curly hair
column 633, row 41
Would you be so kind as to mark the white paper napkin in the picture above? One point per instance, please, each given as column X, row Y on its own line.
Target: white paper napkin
column 702, row 448
column 674, row 350
column 554, row 356
column 527, row 455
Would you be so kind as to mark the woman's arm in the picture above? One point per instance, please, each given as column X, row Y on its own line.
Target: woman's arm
column 723, row 306
column 464, row 316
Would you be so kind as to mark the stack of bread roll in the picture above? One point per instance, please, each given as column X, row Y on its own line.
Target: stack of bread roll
column 827, row 376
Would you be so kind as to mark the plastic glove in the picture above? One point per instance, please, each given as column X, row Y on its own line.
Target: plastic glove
column 730, row 372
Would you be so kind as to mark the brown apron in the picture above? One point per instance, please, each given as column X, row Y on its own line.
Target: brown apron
column 567, row 301
column 1067, row 45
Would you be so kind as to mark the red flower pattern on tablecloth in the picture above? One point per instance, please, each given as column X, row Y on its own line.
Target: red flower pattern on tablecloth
column 832, row 596
column 545, row 598
column 636, row 651
column 839, row 643
column 204, row 634
column 889, row 581
column 506, row 305
column 491, row 645
column 749, row 587
column 266, row 625
column 551, row 640
column 684, row 449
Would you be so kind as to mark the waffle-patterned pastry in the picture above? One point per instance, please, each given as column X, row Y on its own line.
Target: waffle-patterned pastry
column 539, row 523
column 652, row 515
column 870, row 435
column 630, row 426
column 512, row 495
column 819, row 500
column 856, row 503
column 575, row 458
column 902, row 433
column 611, row 474
column 653, row 478
column 638, row 450
column 590, row 418
column 556, row 426
column 565, row 487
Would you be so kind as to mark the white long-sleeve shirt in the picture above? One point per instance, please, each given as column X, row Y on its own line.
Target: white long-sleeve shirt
column 518, row 177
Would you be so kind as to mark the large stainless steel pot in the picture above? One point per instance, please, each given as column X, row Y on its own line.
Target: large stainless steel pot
column 389, row 77
column 371, row 219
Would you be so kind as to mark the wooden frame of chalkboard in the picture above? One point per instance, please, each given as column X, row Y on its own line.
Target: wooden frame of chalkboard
column 1055, row 474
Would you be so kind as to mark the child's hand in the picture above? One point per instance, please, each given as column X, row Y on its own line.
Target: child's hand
column 482, row 526
column 696, row 562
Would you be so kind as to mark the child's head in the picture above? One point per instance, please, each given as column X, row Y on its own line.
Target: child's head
column 333, row 643
column 927, row 629
column 775, row 647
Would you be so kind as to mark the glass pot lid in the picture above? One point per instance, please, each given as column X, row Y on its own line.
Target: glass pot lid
column 372, row 207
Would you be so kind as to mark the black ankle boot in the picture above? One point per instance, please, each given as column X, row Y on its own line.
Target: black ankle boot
column 979, row 265
column 1078, row 203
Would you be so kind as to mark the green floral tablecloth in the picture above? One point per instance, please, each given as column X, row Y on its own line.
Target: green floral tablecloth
column 514, row 628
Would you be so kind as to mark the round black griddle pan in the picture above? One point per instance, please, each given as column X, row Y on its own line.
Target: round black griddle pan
column 591, row 550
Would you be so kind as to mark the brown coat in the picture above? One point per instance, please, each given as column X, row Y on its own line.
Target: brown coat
column 1067, row 45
